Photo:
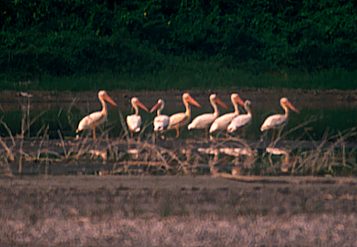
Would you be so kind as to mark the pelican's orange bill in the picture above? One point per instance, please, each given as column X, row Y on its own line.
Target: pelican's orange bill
column 154, row 108
column 221, row 103
column 109, row 100
column 142, row 106
column 292, row 107
column 192, row 101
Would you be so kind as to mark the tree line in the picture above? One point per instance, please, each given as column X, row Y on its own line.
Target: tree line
column 65, row 37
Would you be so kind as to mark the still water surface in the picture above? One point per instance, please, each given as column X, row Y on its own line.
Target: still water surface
column 314, row 122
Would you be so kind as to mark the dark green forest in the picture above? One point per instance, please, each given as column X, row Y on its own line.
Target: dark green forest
column 84, row 44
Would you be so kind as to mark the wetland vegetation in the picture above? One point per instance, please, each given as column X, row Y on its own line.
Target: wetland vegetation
column 40, row 140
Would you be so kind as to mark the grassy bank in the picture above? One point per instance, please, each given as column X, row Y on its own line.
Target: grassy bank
column 175, row 211
column 181, row 73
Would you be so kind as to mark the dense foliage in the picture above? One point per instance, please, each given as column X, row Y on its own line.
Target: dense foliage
column 66, row 37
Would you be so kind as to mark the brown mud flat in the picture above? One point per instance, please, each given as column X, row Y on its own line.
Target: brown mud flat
column 262, row 98
column 177, row 211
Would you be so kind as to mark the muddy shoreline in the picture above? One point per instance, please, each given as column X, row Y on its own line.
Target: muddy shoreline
column 176, row 211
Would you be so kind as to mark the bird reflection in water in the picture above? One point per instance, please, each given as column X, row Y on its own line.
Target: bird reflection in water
column 284, row 153
column 244, row 156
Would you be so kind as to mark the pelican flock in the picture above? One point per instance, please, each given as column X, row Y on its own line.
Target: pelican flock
column 212, row 121
column 229, row 122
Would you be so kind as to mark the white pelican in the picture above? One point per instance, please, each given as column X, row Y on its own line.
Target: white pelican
column 94, row 119
column 241, row 120
column 182, row 118
column 222, row 122
column 277, row 120
column 205, row 120
column 134, row 121
column 160, row 121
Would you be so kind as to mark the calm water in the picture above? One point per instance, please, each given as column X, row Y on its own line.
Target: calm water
column 314, row 122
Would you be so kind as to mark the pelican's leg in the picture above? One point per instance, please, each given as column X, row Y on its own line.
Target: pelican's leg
column 279, row 132
column 177, row 132
column 277, row 136
column 273, row 137
column 270, row 159
column 94, row 135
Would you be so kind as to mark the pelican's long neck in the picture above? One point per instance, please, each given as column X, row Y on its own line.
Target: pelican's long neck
column 136, row 109
column 249, row 111
column 286, row 110
column 104, row 106
column 236, row 109
column 188, row 108
column 160, row 109
column 215, row 108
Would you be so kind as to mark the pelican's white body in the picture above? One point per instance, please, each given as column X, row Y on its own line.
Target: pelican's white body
column 134, row 122
column 241, row 120
column 222, row 122
column 179, row 119
column 161, row 122
column 92, row 120
column 274, row 122
column 202, row 121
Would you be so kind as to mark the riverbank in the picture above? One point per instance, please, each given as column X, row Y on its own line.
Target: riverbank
column 177, row 211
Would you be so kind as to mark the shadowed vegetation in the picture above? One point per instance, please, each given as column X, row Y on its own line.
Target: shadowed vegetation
column 81, row 45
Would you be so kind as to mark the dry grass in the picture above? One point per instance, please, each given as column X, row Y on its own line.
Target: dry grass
column 176, row 211
column 302, row 230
